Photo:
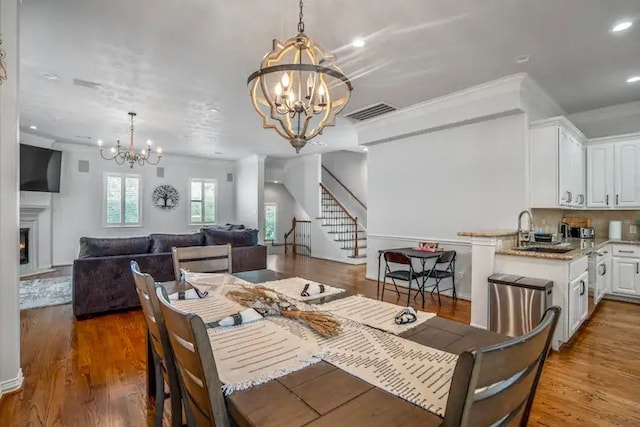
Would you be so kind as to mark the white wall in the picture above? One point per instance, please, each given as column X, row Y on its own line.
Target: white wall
column 78, row 209
column 278, row 194
column 431, row 186
column 10, row 372
column 250, row 192
column 302, row 179
column 351, row 169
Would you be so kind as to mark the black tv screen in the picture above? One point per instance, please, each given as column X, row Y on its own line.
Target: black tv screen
column 39, row 169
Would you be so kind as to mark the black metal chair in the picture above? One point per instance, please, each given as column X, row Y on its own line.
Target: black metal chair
column 405, row 275
column 495, row 386
column 444, row 268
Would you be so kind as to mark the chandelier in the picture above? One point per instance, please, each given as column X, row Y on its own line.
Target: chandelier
column 298, row 89
column 130, row 155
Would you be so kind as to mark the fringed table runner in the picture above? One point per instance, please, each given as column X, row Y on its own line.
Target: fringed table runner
column 416, row 373
column 293, row 287
column 377, row 314
column 211, row 308
column 252, row 354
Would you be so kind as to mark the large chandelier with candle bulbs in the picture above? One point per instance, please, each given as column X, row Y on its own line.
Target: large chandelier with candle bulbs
column 298, row 89
column 130, row 155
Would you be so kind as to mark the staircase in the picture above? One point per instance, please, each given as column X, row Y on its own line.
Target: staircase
column 341, row 225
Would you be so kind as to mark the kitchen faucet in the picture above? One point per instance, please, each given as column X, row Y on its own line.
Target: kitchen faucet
column 525, row 236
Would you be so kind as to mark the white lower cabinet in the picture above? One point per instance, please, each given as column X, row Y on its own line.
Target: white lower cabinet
column 626, row 276
column 578, row 302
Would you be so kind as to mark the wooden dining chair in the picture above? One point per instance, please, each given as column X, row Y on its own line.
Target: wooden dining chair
column 202, row 259
column 408, row 275
column 202, row 389
column 164, row 368
column 495, row 386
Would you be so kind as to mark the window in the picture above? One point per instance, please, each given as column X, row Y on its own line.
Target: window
column 270, row 221
column 202, row 208
column 122, row 200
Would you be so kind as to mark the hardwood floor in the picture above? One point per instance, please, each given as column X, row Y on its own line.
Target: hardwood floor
column 92, row 373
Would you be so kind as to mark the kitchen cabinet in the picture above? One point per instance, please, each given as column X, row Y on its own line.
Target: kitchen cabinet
column 557, row 165
column 613, row 173
column 603, row 274
column 578, row 302
column 600, row 166
column 626, row 276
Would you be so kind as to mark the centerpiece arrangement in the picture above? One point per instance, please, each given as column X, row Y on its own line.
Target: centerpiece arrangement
column 269, row 303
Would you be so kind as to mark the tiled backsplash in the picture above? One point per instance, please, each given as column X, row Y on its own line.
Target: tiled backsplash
column 547, row 220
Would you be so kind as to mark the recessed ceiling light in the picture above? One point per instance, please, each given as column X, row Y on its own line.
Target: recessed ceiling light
column 621, row 26
column 634, row 79
column 218, row 152
column 365, row 149
column 276, row 182
column 358, row 42
column 50, row 76
column 523, row 59
column 34, row 127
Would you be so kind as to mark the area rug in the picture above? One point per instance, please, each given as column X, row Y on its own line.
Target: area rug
column 293, row 287
column 371, row 312
column 45, row 292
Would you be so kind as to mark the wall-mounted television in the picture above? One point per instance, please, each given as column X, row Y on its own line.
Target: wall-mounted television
column 39, row 169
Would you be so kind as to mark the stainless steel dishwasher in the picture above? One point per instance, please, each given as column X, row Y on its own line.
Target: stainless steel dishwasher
column 517, row 303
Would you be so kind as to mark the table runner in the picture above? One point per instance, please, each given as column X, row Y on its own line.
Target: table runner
column 211, row 308
column 416, row 373
column 292, row 288
column 377, row 314
column 205, row 281
column 252, row 354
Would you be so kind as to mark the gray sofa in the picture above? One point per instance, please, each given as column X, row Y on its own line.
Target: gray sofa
column 102, row 281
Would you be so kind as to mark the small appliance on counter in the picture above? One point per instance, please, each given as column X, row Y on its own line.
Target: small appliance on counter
column 582, row 232
column 615, row 230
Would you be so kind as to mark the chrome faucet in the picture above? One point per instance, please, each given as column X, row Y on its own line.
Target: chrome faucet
column 525, row 236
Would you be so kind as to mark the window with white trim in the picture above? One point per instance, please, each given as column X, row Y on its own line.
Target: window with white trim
column 202, row 205
column 270, row 221
column 122, row 200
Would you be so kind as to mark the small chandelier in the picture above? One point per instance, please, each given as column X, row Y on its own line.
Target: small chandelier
column 298, row 89
column 132, row 156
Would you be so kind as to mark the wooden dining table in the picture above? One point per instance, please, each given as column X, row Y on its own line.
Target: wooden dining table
column 323, row 395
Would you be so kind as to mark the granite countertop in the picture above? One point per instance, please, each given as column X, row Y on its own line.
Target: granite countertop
column 487, row 233
column 582, row 248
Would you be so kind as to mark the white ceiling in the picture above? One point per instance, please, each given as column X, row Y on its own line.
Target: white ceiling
column 171, row 61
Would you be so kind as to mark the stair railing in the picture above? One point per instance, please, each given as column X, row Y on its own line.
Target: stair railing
column 300, row 233
column 347, row 225
column 344, row 186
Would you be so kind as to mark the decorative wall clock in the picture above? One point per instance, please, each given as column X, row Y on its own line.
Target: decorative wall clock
column 165, row 197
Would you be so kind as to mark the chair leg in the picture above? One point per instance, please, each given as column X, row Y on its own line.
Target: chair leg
column 384, row 285
column 159, row 396
column 176, row 409
column 437, row 287
column 395, row 286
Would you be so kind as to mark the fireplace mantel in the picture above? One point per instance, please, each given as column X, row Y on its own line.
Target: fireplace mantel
column 37, row 218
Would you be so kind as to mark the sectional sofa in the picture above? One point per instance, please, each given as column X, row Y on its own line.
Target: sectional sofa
column 102, row 281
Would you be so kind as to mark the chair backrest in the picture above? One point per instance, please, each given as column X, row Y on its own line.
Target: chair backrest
column 396, row 258
column 496, row 385
column 202, row 389
column 446, row 257
column 202, row 259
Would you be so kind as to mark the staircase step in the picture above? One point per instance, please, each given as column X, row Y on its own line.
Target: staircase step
column 349, row 240
column 352, row 248
column 359, row 256
column 343, row 232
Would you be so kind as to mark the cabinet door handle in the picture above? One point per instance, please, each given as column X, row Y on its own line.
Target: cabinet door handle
column 638, row 268
column 583, row 287
column 607, row 200
column 624, row 252
column 617, row 199
column 570, row 194
column 603, row 269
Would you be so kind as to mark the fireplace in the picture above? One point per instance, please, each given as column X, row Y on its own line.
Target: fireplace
column 24, row 246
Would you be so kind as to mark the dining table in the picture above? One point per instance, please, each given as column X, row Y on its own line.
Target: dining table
column 323, row 395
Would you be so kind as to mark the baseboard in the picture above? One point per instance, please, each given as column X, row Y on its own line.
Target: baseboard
column 342, row 261
column 12, row 385
column 37, row 272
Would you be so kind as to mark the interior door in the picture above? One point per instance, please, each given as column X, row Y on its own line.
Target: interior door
column 627, row 174
column 600, row 176
column 625, row 275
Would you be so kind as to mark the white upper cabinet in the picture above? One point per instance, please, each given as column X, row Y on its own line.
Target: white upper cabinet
column 557, row 165
column 613, row 173
column 600, row 193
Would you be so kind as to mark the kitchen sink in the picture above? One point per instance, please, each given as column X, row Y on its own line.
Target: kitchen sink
column 546, row 249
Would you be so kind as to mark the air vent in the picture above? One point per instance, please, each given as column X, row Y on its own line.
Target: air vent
column 371, row 112
column 87, row 84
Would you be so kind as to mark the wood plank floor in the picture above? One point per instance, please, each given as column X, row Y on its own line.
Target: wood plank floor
column 91, row 373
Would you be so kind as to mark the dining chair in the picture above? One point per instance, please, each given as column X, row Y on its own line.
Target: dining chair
column 196, row 366
column 444, row 268
column 495, row 386
column 202, row 259
column 404, row 275
column 164, row 368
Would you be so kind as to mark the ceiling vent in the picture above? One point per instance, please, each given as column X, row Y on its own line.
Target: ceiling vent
column 86, row 83
column 371, row 112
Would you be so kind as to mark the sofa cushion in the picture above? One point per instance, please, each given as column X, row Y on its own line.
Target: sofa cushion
column 236, row 226
column 161, row 243
column 99, row 247
column 237, row 238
